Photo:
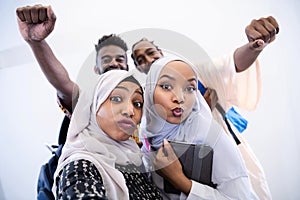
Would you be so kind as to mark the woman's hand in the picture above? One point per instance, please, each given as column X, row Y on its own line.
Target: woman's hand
column 168, row 166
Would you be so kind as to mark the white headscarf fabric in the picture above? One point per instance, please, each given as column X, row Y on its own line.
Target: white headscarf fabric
column 198, row 128
column 86, row 140
column 194, row 129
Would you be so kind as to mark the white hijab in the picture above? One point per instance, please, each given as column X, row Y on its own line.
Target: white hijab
column 86, row 140
column 193, row 130
column 198, row 128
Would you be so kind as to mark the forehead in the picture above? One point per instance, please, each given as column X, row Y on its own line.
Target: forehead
column 178, row 69
column 111, row 50
column 143, row 45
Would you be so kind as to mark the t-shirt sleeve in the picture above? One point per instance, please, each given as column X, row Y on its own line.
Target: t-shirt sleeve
column 240, row 89
column 63, row 108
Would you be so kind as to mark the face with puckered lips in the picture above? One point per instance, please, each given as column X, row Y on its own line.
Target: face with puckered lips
column 119, row 115
column 175, row 92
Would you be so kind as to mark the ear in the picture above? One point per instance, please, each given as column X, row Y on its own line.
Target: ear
column 96, row 70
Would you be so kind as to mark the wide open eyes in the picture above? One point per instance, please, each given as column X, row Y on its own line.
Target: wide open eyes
column 166, row 86
column 116, row 99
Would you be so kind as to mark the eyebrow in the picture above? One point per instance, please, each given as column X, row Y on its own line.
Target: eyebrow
column 167, row 76
column 151, row 48
column 172, row 78
column 116, row 56
column 138, row 92
column 124, row 88
column 147, row 50
column 192, row 79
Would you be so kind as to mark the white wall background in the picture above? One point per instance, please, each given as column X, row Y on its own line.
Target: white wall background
column 30, row 117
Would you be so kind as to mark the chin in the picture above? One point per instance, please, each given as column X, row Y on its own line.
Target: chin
column 124, row 136
column 176, row 120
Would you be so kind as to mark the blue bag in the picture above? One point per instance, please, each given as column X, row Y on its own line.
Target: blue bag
column 46, row 176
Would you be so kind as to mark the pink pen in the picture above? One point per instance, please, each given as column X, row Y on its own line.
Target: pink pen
column 147, row 144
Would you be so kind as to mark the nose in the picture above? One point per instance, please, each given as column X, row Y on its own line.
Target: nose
column 113, row 63
column 128, row 111
column 149, row 59
column 178, row 96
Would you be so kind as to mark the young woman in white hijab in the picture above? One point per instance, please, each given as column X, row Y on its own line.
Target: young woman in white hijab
column 100, row 160
column 175, row 110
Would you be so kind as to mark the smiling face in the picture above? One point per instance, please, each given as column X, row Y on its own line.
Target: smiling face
column 144, row 54
column 175, row 92
column 119, row 115
column 111, row 57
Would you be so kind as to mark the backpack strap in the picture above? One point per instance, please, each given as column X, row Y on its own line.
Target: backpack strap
column 223, row 113
column 64, row 130
column 46, row 176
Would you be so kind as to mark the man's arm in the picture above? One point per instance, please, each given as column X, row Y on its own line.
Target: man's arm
column 260, row 33
column 35, row 24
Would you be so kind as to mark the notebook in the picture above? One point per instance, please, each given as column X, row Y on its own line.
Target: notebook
column 196, row 161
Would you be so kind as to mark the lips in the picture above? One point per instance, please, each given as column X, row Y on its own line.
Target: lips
column 177, row 112
column 127, row 125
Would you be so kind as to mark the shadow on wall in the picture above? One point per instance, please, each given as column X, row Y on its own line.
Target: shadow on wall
column 1, row 192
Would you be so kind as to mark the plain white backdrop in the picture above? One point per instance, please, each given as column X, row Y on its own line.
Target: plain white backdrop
column 30, row 117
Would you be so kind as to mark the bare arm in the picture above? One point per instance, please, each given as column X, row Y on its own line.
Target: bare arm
column 260, row 33
column 35, row 24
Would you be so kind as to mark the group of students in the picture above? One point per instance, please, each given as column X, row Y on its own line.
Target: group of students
column 100, row 158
